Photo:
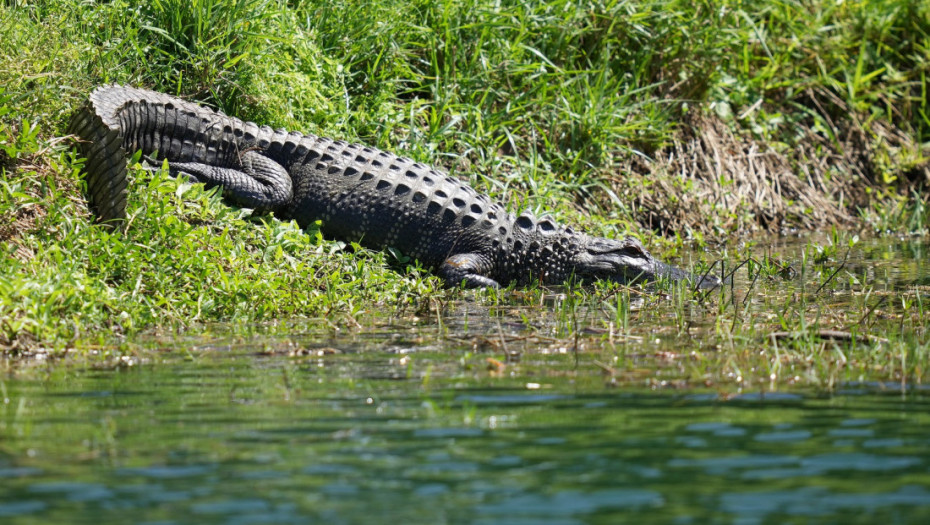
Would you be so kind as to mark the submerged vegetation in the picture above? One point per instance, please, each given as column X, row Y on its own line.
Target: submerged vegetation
column 677, row 122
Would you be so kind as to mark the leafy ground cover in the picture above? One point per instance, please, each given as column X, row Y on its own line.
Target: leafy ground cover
column 674, row 121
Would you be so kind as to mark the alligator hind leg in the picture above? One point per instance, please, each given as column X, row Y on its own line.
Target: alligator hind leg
column 468, row 268
column 259, row 182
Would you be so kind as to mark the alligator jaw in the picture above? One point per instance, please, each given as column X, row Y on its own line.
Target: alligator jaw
column 702, row 282
column 627, row 261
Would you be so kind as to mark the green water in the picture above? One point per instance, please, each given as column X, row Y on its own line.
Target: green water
column 654, row 414
column 237, row 438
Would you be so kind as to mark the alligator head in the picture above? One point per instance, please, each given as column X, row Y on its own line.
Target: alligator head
column 627, row 261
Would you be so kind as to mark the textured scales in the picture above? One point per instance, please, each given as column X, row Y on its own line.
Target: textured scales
column 359, row 193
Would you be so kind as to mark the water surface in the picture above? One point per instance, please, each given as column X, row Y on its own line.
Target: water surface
column 492, row 413
column 236, row 438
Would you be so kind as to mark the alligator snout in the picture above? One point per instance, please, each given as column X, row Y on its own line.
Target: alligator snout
column 627, row 261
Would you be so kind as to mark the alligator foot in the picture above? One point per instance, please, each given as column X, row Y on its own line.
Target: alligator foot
column 261, row 183
column 467, row 268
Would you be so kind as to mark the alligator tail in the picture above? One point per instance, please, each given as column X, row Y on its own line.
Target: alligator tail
column 99, row 140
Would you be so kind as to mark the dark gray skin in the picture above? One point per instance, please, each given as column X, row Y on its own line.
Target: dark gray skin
column 359, row 193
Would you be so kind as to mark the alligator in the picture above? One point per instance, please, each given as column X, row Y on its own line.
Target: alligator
column 358, row 193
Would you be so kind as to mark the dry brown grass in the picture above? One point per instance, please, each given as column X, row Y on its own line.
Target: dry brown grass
column 714, row 181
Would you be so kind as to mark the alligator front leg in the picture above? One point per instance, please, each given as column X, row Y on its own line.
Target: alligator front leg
column 468, row 268
column 260, row 183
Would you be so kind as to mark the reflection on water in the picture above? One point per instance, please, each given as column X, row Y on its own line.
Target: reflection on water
column 239, row 439
column 898, row 263
column 408, row 421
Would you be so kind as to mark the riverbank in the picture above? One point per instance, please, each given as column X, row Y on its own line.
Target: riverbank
column 677, row 124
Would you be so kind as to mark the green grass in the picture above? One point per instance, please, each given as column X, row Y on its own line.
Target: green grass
column 550, row 106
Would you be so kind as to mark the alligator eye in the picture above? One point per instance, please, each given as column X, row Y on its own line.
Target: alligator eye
column 633, row 248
